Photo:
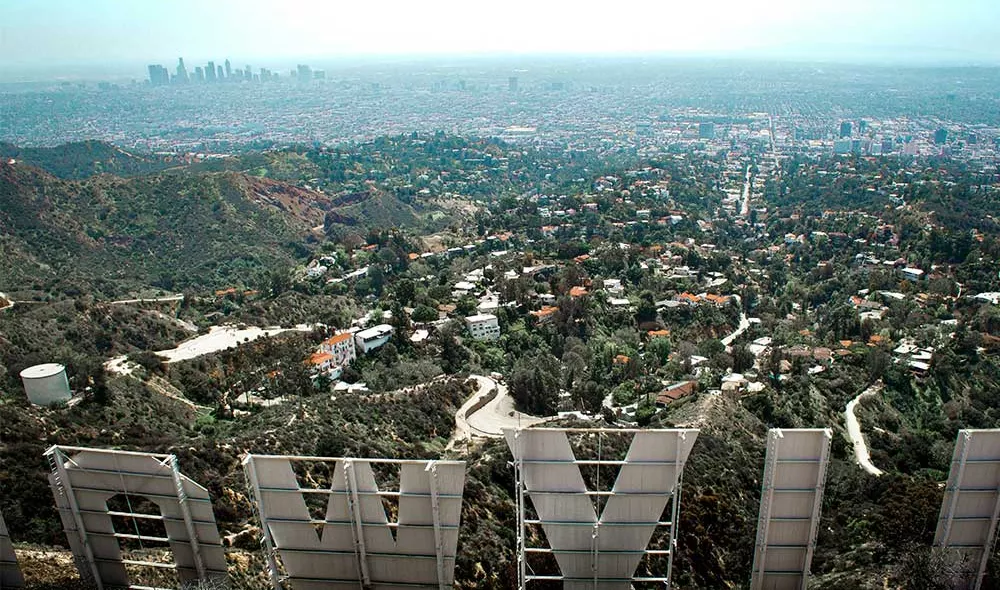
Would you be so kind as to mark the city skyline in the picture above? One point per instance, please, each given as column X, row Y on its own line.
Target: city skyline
column 111, row 32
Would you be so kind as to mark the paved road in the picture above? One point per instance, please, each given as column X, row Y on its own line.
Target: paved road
column 490, row 420
column 744, row 324
column 854, row 432
column 149, row 300
column 745, row 209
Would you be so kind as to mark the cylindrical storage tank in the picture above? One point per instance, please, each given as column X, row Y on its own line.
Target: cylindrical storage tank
column 46, row 384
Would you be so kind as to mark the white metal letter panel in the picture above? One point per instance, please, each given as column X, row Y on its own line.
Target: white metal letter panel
column 792, row 493
column 333, row 555
column 968, row 519
column 610, row 547
column 88, row 478
column 10, row 574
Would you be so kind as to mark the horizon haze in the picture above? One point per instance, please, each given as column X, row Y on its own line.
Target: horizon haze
column 64, row 37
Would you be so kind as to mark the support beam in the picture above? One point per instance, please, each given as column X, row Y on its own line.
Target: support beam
column 182, row 499
column 58, row 461
column 250, row 471
column 354, row 508
column 791, row 498
column 436, row 515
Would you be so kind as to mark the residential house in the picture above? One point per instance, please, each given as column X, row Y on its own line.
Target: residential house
column 340, row 347
column 676, row 391
column 483, row 326
column 373, row 338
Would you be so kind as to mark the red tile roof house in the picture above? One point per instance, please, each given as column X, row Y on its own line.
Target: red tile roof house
column 676, row 391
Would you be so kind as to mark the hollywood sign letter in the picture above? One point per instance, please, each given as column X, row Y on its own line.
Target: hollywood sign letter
column 967, row 524
column 791, row 497
column 598, row 550
column 83, row 480
column 10, row 575
column 355, row 543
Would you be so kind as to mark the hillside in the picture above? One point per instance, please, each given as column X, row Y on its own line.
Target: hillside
column 83, row 159
column 170, row 230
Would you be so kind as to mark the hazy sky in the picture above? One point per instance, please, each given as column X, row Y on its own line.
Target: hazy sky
column 36, row 32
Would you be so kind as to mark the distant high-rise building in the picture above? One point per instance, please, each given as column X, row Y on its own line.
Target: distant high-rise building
column 845, row 129
column 229, row 70
column 304, row 73
column 182, row 73
column 887, row 146
column 706, row 130
column 220, row 74
column 319, row 75
column 199, row 74
column 158, row 75
column 940, row 136
column 862, row 126
column 842, row 146
column 210, row 72
column 247, row 74
column 512, row 84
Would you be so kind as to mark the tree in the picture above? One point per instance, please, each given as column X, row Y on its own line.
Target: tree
column 466, row 306
column 278, row 282
column 646, row 311
column 590, row 395
column 453, row 353
column 658, row 350
column 534, row 385
column 877, row 362
column 405, row 291
column 743, row 359
column 424, row 313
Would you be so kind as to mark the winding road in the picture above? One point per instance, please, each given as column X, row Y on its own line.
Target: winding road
column 490, row 419
column 745, row 208
column 744, row 324
column 861, row 453
column 148, row 300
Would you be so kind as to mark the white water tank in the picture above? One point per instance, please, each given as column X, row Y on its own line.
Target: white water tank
column 46, row 384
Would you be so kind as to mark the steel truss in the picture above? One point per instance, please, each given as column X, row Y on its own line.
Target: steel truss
column 970, row 509
column 356, row 496
column 670, row 493
column 98, row 476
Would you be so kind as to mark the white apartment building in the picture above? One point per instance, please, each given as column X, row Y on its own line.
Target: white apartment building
column 341, row 347
column 372, row 338
column 483, row 326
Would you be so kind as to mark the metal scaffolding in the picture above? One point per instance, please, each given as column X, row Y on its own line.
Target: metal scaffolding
column 10, row 574
column 967, row 523
column 358, row 544
column 598, row 546
column 791, row 497
column 83, row 480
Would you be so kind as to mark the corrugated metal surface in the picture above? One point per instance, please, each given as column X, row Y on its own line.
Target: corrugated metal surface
column 331, row 550
column 968, row 518
column 10, row 574
column 85, row 479
column 605, row 549
column 792, row 492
